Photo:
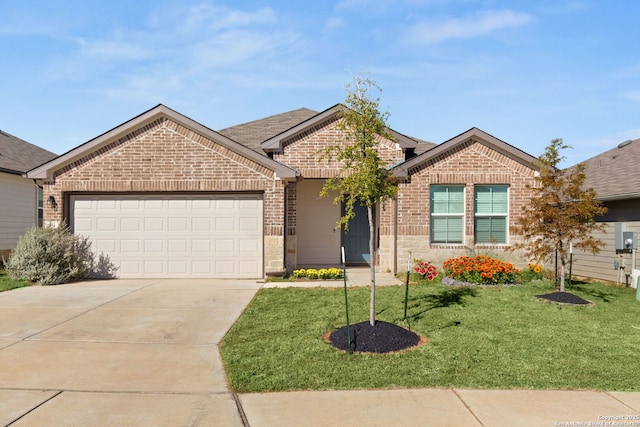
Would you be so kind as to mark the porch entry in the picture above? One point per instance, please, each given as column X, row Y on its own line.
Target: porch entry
column 356, row 239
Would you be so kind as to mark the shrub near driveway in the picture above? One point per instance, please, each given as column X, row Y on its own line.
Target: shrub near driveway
column 477, row 338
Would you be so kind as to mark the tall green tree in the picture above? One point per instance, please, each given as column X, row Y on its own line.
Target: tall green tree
column 561, row 211
column 363, row 177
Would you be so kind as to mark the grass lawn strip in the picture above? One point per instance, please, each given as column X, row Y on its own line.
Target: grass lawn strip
column 6, row 283
column 497, row 338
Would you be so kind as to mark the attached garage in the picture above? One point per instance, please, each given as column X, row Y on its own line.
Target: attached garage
column 214, row 235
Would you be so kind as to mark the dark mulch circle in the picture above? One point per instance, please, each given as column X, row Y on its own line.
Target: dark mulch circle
column 382, row 338
column 564, row 298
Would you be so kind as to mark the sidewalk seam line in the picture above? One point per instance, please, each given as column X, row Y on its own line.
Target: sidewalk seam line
column 34, row 408
column 243, row 415
column 608, row 393
column 467, row 406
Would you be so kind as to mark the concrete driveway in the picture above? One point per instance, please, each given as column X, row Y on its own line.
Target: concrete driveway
column 121, row 352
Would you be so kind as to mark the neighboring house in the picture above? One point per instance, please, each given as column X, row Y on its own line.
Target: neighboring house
column 165, row 196
column 615, row 178
column 20, row 198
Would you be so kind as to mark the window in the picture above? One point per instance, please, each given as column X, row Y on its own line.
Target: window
column 491, row 209
column 447, row 213
column 40, row 210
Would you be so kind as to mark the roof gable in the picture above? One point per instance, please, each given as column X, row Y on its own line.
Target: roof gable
column 408, row 167
column 18, row 156
column 251, row 134
column 614, row 173
column 276, row 142
column 46, row 170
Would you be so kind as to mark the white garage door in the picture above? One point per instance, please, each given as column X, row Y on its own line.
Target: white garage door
column 174, row 236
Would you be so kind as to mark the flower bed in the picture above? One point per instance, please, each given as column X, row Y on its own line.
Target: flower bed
column 482, row 270
column 426, row 270
column 321, row 274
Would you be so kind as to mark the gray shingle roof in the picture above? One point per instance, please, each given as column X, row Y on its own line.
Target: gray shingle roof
column 18, row 156
column 251, row 134
column 615, row 174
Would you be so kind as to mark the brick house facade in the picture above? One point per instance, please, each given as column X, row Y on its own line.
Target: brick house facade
column 164, row 157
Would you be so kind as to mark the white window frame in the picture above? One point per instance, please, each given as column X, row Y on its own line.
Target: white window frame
column 460, row 215
column 505, row 215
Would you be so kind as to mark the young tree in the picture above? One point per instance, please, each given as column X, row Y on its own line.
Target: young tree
column 561, row 212
column 363, row 176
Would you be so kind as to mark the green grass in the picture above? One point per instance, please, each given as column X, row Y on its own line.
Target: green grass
column 6, row 283
column 497, row 338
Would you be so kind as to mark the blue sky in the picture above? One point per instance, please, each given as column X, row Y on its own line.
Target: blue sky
column 523, row 71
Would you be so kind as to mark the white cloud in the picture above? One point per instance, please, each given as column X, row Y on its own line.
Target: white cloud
column 335, row 23
column 467, row 27
column 212, row 18
column 633, row 95
column 113, row 49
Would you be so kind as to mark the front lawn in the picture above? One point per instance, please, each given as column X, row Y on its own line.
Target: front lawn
column 6, row 283
column 477, row 338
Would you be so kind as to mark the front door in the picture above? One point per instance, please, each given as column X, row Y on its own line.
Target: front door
column 356, row 239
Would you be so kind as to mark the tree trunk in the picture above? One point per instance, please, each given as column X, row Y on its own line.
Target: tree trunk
column 372, row 262
column 562, row 269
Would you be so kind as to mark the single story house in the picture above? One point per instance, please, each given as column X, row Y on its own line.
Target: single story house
column 165, row 196
column 20, row 198
column 614, row 176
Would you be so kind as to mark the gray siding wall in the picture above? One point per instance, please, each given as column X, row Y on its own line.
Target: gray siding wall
column 600, row 266
column 17, row 208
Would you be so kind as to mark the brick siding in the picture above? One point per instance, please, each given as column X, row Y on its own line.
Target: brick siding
column 164, row 156
column 469, row 164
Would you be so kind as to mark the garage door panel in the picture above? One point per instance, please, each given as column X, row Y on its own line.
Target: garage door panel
column 225, row 267
column 153, row 204
column 224, row 247
column 106, row 205
column 154, row 268
column 177, row 247
column 129, row 224
column 130, row 246
column 200, row 268
column 225, row 224
column 175, row 235
column 130, row 204
column 84, row 225
column 201, row 246
column 248, row 246
column 153, row 224
column 248, row 267
column 105, row 246
column 222, row 205
column 177, row 224
column 201, row 224
column 177, row 204
column 178, row 267
column 153, row 246
column 106, row 224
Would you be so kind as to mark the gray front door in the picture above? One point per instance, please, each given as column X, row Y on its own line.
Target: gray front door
column 356, row 239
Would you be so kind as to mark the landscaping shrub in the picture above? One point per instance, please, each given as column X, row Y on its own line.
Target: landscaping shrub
column 481, row 270
column 54, row 255
column 532, row 272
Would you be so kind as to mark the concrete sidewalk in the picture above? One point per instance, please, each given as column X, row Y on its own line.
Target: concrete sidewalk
column 441, row 407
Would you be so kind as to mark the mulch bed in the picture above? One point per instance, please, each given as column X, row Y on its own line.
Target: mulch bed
column 379, row 339
column 564, row 298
